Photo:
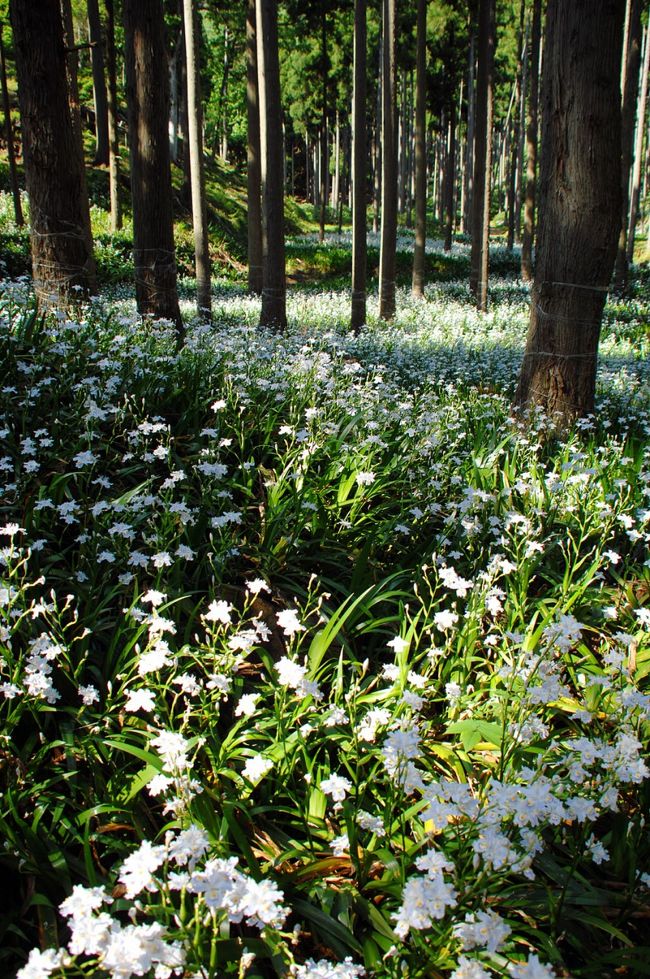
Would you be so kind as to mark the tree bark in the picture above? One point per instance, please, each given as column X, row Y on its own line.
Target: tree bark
column 388, row 250
column 450, row 178
column 580, row 206
column 531, row 146
column 62, row 261
column 638, row 151
column 632, row 56
column 99, row 82
column 273, row 313
column 417, row 286
column 9, row 136
column 151, row 189
column 113, row 135
column 514, row 155
column 359, row 174
column 483, row 156
column 468, row 193
column 197, row 168
column 324, row 163
column 71, row 65
column 253, row 172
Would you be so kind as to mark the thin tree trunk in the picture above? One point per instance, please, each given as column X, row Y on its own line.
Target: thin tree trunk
column 450, row 178
column 253, row 159
column 336, row 189
column 377, row 152
column 483, row 156
column 224, row 95
column 632, row 56
column 273, row 313
column 151, row 188
column 197, row 170
column 419, row 245
column 471, row 131
column 62, row 261
column 531, row 145
column 580, row 206
column 388, row 250
column 75, row 118
column 521, row 135
column 514, row 154
column 359, row 173
column 113, row 140
column 99, row 83
column 9, row 136
column 638, row 151
column 324, row 162
column 175, row 71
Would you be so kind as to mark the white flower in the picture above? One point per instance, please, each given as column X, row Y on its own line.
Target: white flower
column 337, row 786
column 532, row 969
column 365, row 478
column 340, row 845
column 256, row 586
column 40, row 965
column 154, row 597
column 398, row 645
column 219, row 612
column 470, row 969
column 140, row 699
column 445, row 619
column 189, row 846
column 424, row 900
column 484, row 929
column 256, row 768
column 288, row 622
column 173, row 749
column 247, row 705
column 138, row 868
column 324, row 969
column 89, row 695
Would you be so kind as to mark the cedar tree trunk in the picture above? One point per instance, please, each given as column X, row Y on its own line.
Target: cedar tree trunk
column 359, row 174
column 580, row 206
column 273, row 313
column 62, row 259
column 147, row 82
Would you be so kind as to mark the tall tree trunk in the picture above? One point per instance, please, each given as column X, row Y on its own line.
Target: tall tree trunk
column 151, row 188
column 632, row 56
column 388, row 250
column 521, row 133
column 273, row 313
column 468, row 194
column 113, row 136
column 359, row 173
column 531, row 145
column 324, row 162
column 175, row 74
column 71, row 64
column 197, row 169
column 580, row 206
column 99, row 82
column 450, row 178
column 61, row 257
column 59, row 214
column 483, row 155
column 638, row 151
column 9, row 136
column 224, row 95
column 417, row 286
column 253, row 172
column 514, row 154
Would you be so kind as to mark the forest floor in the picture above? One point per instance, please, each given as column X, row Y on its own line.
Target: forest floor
column 316, row 660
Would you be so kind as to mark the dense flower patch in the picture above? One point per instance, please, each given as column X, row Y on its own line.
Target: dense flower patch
column 314, row 660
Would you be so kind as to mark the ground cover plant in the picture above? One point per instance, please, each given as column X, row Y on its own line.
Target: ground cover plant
column 315, row 660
